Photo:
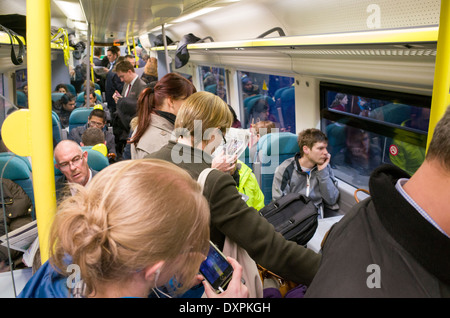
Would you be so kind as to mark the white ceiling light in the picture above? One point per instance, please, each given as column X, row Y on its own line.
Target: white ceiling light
column 72, row 10
column 195, row 14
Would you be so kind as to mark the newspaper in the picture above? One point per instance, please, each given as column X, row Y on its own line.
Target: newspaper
column 20, row 239
column 236, row 141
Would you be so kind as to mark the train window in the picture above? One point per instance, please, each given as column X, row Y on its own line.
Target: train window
column 267, row 97
column 368, row 127
column 214, row 81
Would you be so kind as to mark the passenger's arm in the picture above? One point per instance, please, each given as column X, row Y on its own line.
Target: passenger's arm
column 328, row 186
column 232, row 217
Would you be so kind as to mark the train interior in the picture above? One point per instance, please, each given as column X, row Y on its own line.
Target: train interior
column 361, row 72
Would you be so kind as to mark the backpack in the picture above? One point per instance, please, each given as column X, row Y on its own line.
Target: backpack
column 294, row 216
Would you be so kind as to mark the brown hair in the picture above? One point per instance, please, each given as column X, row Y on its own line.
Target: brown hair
column 111, row 237
column 124, row 66
column 309, row 137
column 439, row 148
column 92, row 136
column 171, row 85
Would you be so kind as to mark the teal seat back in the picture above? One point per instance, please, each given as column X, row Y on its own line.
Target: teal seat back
column 56, row 126
column 22, row 99
column 71, row 89
column 96, row 160
column 272, row 150
column 18, row 169
column 56, row 96
column 79, row 117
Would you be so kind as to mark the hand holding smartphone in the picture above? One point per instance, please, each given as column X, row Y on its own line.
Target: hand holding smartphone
column 222, row 276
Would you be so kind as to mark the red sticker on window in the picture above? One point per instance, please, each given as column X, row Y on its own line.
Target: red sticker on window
column 393, row 150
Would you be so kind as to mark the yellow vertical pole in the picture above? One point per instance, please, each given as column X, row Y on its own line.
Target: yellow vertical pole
column 39, row 96
column 441, row 85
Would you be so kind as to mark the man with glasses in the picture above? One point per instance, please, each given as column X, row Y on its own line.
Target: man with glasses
column 71, row 160
column 97, row 118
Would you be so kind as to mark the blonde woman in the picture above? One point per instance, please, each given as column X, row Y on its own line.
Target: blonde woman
column 201, row 122
column 125, row 246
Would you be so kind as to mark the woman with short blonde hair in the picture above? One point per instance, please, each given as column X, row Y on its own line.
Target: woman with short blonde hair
column 201, row 117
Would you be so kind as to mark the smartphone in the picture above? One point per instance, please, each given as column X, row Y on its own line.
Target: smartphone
column 216, row 269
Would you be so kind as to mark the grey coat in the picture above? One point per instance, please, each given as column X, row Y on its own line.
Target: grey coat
column 155, row 137
column 289, row 177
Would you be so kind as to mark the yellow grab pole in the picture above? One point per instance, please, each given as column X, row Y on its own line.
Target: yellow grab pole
column 40, row 106
column 441, row 84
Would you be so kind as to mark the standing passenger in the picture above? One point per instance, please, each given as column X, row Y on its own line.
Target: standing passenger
column 396, row 243
column 203, row 119
column 157, row 110
column 133, row 84
column 122, row 249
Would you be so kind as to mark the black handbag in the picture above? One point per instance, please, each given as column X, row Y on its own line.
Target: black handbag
column 294, row 216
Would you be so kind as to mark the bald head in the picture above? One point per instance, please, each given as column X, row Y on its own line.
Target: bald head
column 71, row 160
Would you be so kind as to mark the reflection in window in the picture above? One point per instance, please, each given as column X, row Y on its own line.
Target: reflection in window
column 214, row 81
column 354, row 153
column 380, row 110
column 267, row 98
column 368, row 127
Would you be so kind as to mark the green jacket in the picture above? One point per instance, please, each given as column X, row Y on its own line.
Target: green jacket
column 232, row 217
column 248, row 185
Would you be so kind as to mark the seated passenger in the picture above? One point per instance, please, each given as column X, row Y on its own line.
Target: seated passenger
column 360, row 153
column 125, row 248
column 61, row 88
column 95, row 138
column 97, row 118
column 71, row 160
column 231, row 217
column 64, row 108
column 340, row 102
column 395, row 243
column 308, row 172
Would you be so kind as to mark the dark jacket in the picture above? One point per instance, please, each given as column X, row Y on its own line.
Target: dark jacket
column 232, row 217
column 61, row 185
column 77, row 132
column 413, row 257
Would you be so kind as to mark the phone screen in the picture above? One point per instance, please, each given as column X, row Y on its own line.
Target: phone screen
column 216, row 269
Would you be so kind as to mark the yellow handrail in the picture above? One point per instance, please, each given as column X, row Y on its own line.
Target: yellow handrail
column 441, row 98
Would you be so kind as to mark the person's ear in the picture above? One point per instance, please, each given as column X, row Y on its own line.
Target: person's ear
column 152, row 272
column 306, row 150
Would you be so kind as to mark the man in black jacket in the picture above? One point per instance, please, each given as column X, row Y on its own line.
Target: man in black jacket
column 395, row 243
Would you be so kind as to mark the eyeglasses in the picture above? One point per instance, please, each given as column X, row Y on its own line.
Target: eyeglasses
column 96, row 124
column 66, row 164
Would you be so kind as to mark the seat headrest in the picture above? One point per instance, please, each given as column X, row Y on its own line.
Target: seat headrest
column 18, row 168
